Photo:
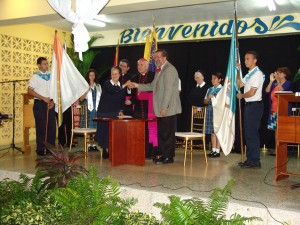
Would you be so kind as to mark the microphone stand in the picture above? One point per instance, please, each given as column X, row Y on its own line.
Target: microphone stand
column 12, row 145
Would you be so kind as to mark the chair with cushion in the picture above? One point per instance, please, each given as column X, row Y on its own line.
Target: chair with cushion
column 197, row 131
column 80, row 125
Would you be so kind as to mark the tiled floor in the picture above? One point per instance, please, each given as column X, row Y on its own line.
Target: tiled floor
column 196, row 179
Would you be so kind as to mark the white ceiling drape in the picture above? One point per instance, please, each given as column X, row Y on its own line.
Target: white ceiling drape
column 85, row 11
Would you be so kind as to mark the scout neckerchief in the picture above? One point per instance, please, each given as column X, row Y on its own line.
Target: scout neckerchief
column 45, row 76
column 250, row 74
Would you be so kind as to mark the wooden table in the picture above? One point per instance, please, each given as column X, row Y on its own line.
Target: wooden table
column 126, row 140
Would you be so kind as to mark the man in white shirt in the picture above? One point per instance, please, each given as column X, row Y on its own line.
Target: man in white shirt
column 253, row 110
column 43, row 108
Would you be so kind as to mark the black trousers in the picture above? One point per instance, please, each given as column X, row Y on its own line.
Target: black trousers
column 64, row 131
column 40, row 109
column 252, row 115
column 166, row 135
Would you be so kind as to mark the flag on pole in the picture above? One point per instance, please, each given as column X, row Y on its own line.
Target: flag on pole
column 150, row 48
column 116, row 60
column 224, row 105
column 67, row 84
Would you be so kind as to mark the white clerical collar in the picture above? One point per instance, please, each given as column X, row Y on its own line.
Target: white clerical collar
column 201, row 85
column 113, row 84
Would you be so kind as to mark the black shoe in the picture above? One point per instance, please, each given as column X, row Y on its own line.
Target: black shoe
column 164, row 160
column 105, row 154
column 211, row 153
column 95, row 148
column 214, row 155
column 241, row 163
column 248, row 164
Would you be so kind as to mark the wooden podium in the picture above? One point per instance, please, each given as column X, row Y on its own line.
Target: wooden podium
column 28, row 121
column 126, row 140
column 288, row 131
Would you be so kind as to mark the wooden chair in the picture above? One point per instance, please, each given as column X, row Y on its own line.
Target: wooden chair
column 197, row 131
column 81, row 127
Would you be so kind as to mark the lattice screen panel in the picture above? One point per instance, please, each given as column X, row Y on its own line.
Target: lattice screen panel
column 17, row 62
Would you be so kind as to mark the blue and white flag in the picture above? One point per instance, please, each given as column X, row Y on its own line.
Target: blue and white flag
column 224, row 105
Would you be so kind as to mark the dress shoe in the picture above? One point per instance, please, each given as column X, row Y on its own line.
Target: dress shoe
column 214, row 155
column 164, row 160
column 95, row 148
column 252, row 165
column 90, row 148
column 105, row 154
column 210, row 153
column 241, row 163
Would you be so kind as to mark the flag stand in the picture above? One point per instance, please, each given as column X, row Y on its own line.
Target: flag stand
column 264, row 149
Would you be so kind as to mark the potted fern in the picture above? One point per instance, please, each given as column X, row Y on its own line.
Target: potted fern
column 197, row 211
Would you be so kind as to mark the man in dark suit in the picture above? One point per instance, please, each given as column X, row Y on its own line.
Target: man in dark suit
column 166, row 104
column 125, row 76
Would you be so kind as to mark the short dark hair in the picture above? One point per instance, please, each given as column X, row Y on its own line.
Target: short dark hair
column 286, row 71
column 254, row 53
column 40, row 59
column 117, row 68
column 87, row 76
column 163, row 52
column 125, row 61
column 219, row 76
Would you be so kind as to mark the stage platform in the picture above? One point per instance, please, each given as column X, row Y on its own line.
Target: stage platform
column 255, row 193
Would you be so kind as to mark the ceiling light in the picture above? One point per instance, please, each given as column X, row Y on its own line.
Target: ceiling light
column 102, row 18
column 94, row 22
column 271, row 5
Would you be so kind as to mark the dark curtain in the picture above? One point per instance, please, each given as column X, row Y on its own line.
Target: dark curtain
column 212, row 56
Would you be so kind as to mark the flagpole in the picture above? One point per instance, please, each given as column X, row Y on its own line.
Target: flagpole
column 238, row 77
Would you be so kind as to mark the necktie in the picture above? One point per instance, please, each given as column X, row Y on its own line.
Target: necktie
column 158, row 70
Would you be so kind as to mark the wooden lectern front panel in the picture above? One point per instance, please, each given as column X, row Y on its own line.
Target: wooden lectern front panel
column 28, row 120
column 127, row 142
column 288, row 131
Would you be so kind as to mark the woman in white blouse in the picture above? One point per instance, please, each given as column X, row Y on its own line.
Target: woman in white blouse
column 92, row 97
